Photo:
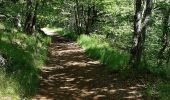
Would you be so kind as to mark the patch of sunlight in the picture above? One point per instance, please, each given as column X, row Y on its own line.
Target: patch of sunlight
column 55, row 29
column 133, row 87
column 112, row 91
column 64, row 52
column 79, row 64
column 87, row 93
column 48, row 31
column 122, row 89
column 99, row 97
column 70, row 79
column 66, row 87
column 130, row 97
column 133, row 92
column 136, row 97
column 88, row 80
column 94, row 62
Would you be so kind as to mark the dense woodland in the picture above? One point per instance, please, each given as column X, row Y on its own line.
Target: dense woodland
column 129, row 37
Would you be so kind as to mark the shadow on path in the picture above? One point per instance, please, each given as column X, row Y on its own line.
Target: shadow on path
column 70, row 75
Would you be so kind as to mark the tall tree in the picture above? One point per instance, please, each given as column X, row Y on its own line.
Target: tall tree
column 141, row 21
column 31, row 14
column 77, row 17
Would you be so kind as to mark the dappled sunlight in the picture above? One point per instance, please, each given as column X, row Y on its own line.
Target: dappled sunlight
column 70, row 75
column 49, row 32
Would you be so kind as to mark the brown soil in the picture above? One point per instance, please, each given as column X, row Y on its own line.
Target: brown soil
column 70, row 75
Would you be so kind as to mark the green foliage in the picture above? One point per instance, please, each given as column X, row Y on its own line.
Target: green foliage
column 159, row 91
column 26, row 55
column 97, row 47
column 164, row 91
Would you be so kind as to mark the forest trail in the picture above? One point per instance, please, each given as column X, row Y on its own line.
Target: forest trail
column 70, row 75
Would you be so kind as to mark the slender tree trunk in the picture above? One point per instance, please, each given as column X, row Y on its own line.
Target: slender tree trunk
column 134, row 60
column 94, row 17
column 91, row 18
column 31, row 16
column 88, row 20
column 145, row 22
column 28, row 20
column 35, row 16
column 77, row 18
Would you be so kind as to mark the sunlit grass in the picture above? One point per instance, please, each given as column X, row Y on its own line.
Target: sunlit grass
column 98, row 48
column 8, row 86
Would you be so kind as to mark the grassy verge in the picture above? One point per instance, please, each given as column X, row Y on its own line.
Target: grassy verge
column 25, row 56
column 98, row 47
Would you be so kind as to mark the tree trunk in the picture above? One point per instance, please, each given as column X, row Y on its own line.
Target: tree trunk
column 35, row 16
column 77, row 18
column 31, row 15
column 134, row 60
column 140, row 26
column 91, row 18
column 28, row 20
column 88, row 20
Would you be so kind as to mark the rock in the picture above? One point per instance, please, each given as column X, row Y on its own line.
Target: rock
column 2, row 61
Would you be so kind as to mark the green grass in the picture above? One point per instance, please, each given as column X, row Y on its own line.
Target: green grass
column 25, row 55
column 98, row 47
column 63, row 32
column 8, row 86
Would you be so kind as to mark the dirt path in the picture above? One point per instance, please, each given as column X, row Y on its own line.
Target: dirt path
column 70, row 75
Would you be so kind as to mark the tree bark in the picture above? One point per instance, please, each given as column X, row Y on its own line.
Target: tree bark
column 141, row 22
column 134, row 60
column 88, row 20
column 31, row 15
column 27, row 24
column 77, row 18
column 35, row 16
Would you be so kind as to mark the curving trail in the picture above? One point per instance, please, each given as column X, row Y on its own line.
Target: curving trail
column 70, row 75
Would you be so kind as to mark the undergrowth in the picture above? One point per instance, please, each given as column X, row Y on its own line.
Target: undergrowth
column 25, row 56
